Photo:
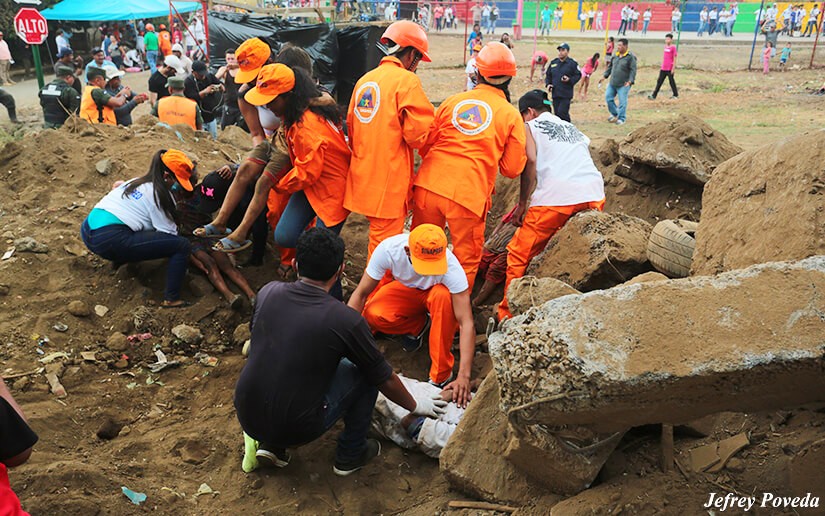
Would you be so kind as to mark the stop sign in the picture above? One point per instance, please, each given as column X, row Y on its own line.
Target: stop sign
column 31, row 26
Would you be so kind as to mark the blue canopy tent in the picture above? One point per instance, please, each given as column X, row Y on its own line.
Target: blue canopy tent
column 85, row 10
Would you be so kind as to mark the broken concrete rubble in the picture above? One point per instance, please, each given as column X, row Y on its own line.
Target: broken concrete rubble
column 668, row 351
column 595, row 250
column 684, row 147
column 764, row 205
column 529, row 291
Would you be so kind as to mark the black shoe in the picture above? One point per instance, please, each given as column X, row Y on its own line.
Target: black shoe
column 273, row 457
column 372, row 451
column 412, row 343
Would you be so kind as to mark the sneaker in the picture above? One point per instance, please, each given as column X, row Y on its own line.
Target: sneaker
column 442, row 384
column 273, row 457
column 372, row 451
column 674, row 97
column 619, row 122
column 612, row 119
column 651, row 97
column 412, row 343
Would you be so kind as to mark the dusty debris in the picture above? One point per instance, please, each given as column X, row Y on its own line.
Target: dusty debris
column 595, row 250
column 764, row 205
column 685, row 147
column 79, row 309
column 30, row 245
column 714, row 456
column 669, row 351
column 117, row 342
column 187, row 334
column 529, row 291
column 645, row 278
column 241, row 334
column 55, row 385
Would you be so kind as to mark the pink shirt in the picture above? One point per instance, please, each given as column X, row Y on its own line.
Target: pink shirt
column 766, row 54
column 669, row 58
column 5, row 54
column 589, row 68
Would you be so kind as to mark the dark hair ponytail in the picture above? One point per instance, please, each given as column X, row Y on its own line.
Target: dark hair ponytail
column 163, row 195
column 595, row 58
column 298, row 102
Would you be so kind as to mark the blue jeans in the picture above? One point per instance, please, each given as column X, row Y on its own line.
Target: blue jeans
column 349, row 397
column 610, row 94
column 212, row 128
column 491, row 26
column 152, row 57
column 120, row 244
column 644, row 26
column 702, row 26
column 297, row 215
column 674, row 26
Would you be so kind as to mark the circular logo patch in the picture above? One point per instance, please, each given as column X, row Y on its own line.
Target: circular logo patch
column 472, row 116
column 368, row 99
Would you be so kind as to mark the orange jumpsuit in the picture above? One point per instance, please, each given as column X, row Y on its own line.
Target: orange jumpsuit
column 474, row 134
column 540, row 224
column 165, row 42
column 389, row 116
column 320, row 162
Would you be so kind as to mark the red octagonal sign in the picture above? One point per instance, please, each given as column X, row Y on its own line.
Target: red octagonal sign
column 31, row 26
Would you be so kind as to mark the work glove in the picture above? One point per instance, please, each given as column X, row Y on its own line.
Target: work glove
column 430, row 406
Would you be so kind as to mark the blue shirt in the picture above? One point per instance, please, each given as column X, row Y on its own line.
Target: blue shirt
column 786, row 53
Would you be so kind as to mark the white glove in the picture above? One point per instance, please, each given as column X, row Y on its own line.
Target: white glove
column 432, row 406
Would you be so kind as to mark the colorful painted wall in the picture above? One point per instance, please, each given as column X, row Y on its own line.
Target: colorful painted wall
column 660, row 21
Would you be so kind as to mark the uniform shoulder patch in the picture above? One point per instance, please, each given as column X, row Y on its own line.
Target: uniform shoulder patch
column 368, row 100
column 472, row 116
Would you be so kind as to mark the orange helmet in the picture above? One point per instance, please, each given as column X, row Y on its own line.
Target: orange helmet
column 405, row 33
column 162, row 26
column 149, row 27
column 496, row 60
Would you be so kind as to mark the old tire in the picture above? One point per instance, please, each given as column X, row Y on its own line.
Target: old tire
column 670, row 248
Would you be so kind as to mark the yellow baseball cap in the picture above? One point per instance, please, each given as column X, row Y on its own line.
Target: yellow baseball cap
column 275, row 79
column 428, row 250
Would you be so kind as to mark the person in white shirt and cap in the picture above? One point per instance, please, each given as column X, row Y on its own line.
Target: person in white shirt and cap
column 177, row 50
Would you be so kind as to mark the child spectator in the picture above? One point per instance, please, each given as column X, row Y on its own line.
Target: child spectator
column 590, row 66
column 766, row 58
column 783, row 58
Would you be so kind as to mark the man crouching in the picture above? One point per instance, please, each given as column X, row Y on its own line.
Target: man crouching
column 313, row 361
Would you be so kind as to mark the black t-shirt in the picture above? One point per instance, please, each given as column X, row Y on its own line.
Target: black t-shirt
column 299, row 335
column 210, row 104
column 157, row 84
column 15, row 434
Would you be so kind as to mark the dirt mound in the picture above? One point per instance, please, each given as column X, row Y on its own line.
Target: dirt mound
column 595, row 250
column 685, row 147
column 764, row 205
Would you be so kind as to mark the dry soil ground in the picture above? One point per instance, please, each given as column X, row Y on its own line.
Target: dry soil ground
column 179, row 425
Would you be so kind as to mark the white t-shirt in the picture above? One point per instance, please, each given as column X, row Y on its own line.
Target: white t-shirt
column 635, row 15
column 471, row 71
column 647, row 15
column 676, row 16
column 565, row 172
column 391, row 256
column 138, row 209
column 62, row 42
column 703, row 15
column 269, row 120
column 713, row 15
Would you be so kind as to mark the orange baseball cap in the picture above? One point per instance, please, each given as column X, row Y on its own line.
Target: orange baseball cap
column 274, row 79
column 252, row 55
column 180, row 165
column 428, row 250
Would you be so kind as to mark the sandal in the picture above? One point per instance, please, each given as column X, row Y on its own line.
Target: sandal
column 227, row 245
column 236, row 302
column 211, row 231
column 180, row 303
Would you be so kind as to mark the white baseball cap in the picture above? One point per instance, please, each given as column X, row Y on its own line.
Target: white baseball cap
column 177, row 48
column 112, row 72
column 174, row 62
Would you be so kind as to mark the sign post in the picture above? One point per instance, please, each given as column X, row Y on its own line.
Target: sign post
column 31, row 27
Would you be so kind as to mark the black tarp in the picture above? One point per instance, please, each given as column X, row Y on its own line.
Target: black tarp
column 340, row 56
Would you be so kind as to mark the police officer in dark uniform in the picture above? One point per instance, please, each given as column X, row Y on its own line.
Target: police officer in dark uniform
column 59, row 98
column 562, row 75
column 66, row 58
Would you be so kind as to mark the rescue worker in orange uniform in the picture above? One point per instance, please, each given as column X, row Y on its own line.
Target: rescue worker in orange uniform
column 176, row 108
column 97, row 106
column 426, row 278
column 164, row 40
column 475, row 133
column 389, row 115
column 559, row 181
column 317, row 148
